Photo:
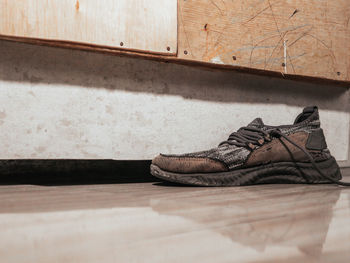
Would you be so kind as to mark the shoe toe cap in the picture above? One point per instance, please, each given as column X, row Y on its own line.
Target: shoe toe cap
column 181, row 164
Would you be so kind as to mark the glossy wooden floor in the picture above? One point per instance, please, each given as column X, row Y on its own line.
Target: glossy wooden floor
column 156, row 222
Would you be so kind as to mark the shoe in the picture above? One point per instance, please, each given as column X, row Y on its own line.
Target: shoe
column 258, row 154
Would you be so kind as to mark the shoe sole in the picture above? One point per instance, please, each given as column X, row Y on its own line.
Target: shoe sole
column 283, row 172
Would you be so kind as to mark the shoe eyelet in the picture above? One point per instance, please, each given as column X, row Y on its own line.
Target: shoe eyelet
column 251, row 146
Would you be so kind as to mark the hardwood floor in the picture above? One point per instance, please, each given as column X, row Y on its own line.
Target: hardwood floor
column 158, row 222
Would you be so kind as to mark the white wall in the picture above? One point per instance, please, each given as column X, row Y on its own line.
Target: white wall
column 57, row 103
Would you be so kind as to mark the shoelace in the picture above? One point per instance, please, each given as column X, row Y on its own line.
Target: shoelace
column 247, row 137
column 251, row 137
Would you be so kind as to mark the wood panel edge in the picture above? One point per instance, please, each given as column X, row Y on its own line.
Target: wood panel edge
column 166, row 58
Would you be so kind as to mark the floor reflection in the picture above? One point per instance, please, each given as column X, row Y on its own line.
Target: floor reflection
column 162, row 223
column 259, row 217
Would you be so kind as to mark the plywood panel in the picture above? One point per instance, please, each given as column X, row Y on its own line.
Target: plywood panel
column 146, row 25
column 301, row 37
column 294, row 39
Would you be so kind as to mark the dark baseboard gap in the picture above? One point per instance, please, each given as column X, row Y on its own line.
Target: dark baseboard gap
column 74, row 171
column 78, row 171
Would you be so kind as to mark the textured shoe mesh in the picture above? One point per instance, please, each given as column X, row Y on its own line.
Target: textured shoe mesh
column 234, row 156
column 231, row 155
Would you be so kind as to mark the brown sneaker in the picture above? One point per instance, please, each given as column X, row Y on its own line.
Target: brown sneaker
column 258, row 154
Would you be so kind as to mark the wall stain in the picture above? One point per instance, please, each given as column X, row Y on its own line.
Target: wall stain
column 2, row 117
column 3, row 114
column 138, row 116
column 31, row 93
column 40, row 149
column 109, row 109
column 65, row 122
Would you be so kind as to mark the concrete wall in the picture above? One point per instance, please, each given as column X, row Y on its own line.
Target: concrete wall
column 57, row 103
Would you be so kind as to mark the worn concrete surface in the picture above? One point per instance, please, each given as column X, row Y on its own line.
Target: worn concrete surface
column 57, row 103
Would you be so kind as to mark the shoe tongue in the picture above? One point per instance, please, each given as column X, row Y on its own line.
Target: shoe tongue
column 257, row 123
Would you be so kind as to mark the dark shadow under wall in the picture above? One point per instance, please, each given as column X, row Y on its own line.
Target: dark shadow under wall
column 74, row 172
column 48, row 65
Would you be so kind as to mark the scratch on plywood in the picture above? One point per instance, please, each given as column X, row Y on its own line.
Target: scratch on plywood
column 296, row 40
column 323, row 43
column 272, row 53
column 227, row 23
column 332, row 55
column 77, row 5
column 276, row 60
column 285, row 30
column 217, row 7
column 256, row 15
column 270, row 33
column 244, row 48
column 257, row 44
column 290, row 61
column 293, row 28
column 281, row 36
column 184, row 30
column 282, row 30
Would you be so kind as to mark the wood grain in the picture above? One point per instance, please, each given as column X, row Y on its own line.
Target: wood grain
column 298, row 39
column 310, row 38
column 149, row 25
column 165, row 223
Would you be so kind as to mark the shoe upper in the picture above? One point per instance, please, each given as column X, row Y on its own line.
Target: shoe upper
column 252, row 146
